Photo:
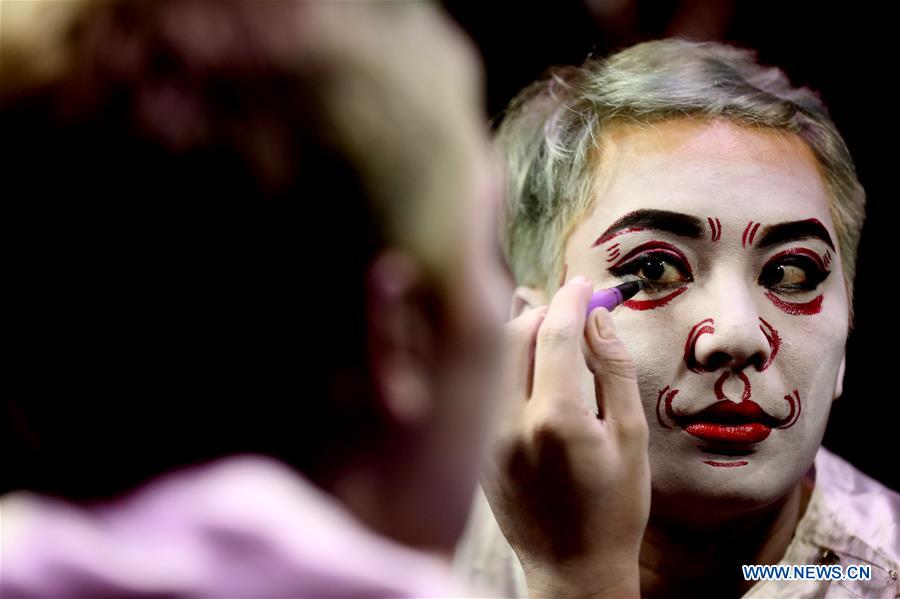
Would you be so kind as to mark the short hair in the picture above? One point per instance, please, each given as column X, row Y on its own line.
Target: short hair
column 201, row 187
column 550, row 138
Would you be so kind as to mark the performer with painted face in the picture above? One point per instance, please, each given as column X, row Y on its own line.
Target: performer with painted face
column 732, row 196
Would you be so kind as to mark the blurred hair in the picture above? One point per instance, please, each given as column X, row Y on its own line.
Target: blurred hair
column 198, row 188
column 551, row 138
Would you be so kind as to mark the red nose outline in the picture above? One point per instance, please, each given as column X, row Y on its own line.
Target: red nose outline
column 707, row 325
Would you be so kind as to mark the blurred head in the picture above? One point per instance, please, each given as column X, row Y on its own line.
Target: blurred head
column 732, row 195
column 253, row 227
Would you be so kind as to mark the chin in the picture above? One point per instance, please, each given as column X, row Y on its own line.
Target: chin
column 688, row 491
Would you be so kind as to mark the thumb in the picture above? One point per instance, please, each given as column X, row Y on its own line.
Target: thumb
column 615, row 374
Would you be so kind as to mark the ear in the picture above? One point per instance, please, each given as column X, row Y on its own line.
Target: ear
column 525, row 298
column 401, row 339
column 839, row 384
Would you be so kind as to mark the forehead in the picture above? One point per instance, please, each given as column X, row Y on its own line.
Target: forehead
column 718, row 168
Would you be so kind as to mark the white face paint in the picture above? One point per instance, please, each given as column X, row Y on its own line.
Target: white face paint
column 723, row 327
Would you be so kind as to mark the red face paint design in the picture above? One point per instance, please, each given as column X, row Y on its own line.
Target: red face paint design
column 750, row 433
column 661, row 247
column 796, row 407
column 715, row 229
column 774, row 340
column 727, row 423
column 707, row 325
column 827, row 258
column 749, row 234
column 813, row 306
column 724, row 423
column 819, row 260
column 614, row 234
column 725, row 464
column 612, row 252
column 816, row 221
column 653, row 303
column 671, row 395
column 704, row 326
column 745, row 395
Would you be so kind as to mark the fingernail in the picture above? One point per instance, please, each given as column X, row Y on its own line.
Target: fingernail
column 605, row 327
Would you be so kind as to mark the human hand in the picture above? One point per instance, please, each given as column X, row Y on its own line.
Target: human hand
column 570, row 489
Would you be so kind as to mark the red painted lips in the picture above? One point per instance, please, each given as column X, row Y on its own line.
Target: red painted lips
column 738, row 434
column 728, row 423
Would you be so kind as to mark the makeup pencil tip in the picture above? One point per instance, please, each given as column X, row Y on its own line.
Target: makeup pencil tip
column 630, row 288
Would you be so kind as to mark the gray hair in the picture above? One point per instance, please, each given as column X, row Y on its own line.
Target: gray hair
column 549, row 138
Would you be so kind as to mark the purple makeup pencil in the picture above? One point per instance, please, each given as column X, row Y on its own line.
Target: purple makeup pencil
column 613, row 296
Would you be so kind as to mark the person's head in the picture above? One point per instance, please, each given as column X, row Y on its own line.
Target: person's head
column 252, row 227
column 731, row 193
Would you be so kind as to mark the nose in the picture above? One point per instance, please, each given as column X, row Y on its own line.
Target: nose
column 733, row 335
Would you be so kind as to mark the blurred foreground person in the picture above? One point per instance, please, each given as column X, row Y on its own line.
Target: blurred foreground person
column 253, row 239
column 258, row 296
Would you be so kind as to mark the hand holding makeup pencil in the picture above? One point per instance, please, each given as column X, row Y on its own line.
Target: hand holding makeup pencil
column 571, row 490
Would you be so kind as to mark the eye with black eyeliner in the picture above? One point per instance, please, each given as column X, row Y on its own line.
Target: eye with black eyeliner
column 658, row 270
column 792, row 273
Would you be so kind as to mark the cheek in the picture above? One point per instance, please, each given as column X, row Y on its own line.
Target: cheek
column 813, row 335
column 810, row 358
column 655, row 347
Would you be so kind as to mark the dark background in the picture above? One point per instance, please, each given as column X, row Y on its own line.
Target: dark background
column 846, row 51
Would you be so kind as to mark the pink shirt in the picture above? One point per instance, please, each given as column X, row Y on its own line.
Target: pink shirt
column 244, row 526
column 851, row 519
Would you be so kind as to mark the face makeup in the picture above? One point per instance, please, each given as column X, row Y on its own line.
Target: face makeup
column 749, row 234
column 738, row 333
column 715, row 228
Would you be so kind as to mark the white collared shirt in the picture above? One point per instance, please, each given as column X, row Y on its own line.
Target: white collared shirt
column 851, row 519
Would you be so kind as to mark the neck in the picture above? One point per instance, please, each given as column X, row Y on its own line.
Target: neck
column 688, row 561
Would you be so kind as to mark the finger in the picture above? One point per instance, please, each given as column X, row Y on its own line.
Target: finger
column 615, row 374
column 558, row 352
column 519, row 338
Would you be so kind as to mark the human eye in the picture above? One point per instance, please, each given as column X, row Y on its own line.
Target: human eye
column 659, row 266
column 793, row 271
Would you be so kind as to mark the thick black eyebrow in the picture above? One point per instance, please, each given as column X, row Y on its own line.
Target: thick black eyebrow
column 801, row 229
column 683, row 225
